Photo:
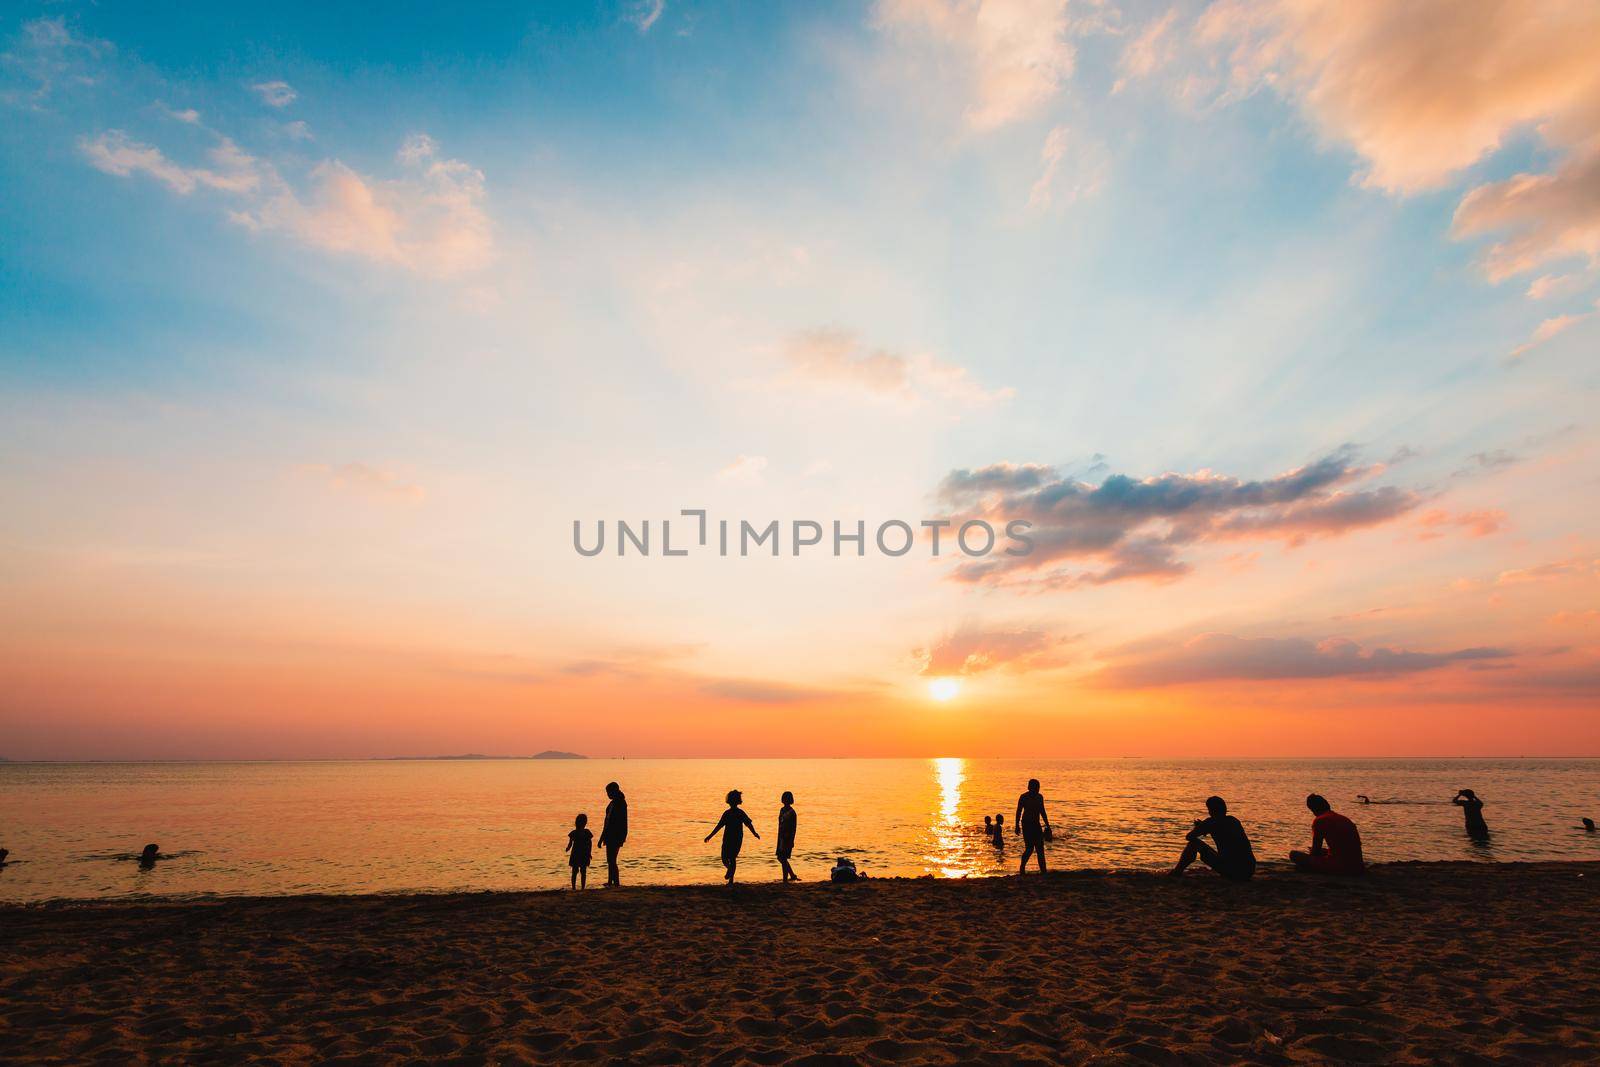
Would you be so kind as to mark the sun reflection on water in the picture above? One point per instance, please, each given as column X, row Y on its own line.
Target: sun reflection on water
column 948, row 859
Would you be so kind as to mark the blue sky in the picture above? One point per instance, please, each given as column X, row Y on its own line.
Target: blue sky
column 304, row 306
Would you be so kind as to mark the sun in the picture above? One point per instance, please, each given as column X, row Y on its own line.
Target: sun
column 943, row 689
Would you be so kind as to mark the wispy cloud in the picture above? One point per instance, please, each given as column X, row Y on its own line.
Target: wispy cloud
column 746, row 470
column 1013, row 55
column 975, row 650
column 1215, row 657
column 275, row 93
column 1071, row 168
column 430, row 218
column 838, row 359
column 1424, row 90
column 646, row 13
column 44, row 56
column 365, row 480
column 1549, row 328
column 1136, row 528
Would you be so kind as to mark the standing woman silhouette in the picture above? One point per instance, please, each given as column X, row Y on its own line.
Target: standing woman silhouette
column 732, row 826
column 615, row 831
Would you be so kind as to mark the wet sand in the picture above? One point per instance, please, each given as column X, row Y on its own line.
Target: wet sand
column 1416, row 963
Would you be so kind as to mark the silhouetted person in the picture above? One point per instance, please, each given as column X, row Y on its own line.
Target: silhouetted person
column 732, row 824
column 4, row 852
column 1472, row 808
column 1335, row 842
column 1034, row 825
column 988, row 827
column 1363, row 798
column 843, row 871
column 147, row 858
column 787, row 821
column 580, row 843
column 1588, row 824
column 614, row 831
column 1232, row 857
column 998, row 838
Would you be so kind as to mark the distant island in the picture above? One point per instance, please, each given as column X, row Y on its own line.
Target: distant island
column 548, row 753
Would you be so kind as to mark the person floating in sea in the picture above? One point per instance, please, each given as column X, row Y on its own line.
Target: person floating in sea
column 147, row 858
column 732, row 825
column 787, row 820
column 580, row 843
column 1232, row 857
column 1335, row 842
column 1034, row 825
column 614, row 831
column 1588, row 824
column 999, row 835
column 1472, row 808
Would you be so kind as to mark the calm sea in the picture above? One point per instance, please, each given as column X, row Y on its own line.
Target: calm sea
column 344, row 827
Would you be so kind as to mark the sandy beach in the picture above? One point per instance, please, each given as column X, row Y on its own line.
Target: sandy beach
column 1416, row 963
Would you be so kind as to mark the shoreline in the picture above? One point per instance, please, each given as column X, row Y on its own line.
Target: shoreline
column 1267, row 871
column 1417, row 962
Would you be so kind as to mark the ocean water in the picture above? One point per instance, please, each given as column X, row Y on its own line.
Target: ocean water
column 369, row 826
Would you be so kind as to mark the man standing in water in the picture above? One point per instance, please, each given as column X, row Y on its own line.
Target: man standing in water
column 615, row 831
column 1033, row 824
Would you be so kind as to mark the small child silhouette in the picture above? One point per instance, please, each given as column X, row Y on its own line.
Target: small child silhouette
column 732, row 825
column 998, row 839
column 580, row 843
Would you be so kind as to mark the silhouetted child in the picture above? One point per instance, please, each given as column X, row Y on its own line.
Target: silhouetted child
column 787, row 821
column 998, row 840
column 988, row 827
column 580, row 843
column 732, row 825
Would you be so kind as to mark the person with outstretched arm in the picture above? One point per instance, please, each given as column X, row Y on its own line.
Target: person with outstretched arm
column 1335, row 842
column 732, row 826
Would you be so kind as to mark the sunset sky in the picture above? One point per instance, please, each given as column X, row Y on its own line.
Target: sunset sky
column 1278, row 318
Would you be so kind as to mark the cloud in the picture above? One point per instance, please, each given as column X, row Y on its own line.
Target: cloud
column 1012, row 55
column 365, row 480
column 1136, row 528
column 1483, row 523
column 1215, row 657
column 45, row 55
column 838, row 359
column 746, row 470
column 645, row 14
column 971, row 650
column 1574, row 567
column 1153, row 48
column 1548, row 285
column 431, row 218
column 1071, row 169
column 1547, row 329
column 275, row 93
column 1426, row 89
column 114, row 152
column 756, row 691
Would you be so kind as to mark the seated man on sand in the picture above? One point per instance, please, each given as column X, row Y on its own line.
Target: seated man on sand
column 1233, row 858
column 1335, row 842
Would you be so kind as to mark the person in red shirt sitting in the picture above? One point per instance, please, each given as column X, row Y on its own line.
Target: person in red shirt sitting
column 1335, row 842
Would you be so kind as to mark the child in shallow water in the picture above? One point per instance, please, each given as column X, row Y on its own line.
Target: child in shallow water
column 732, row 826
column 580, row 844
